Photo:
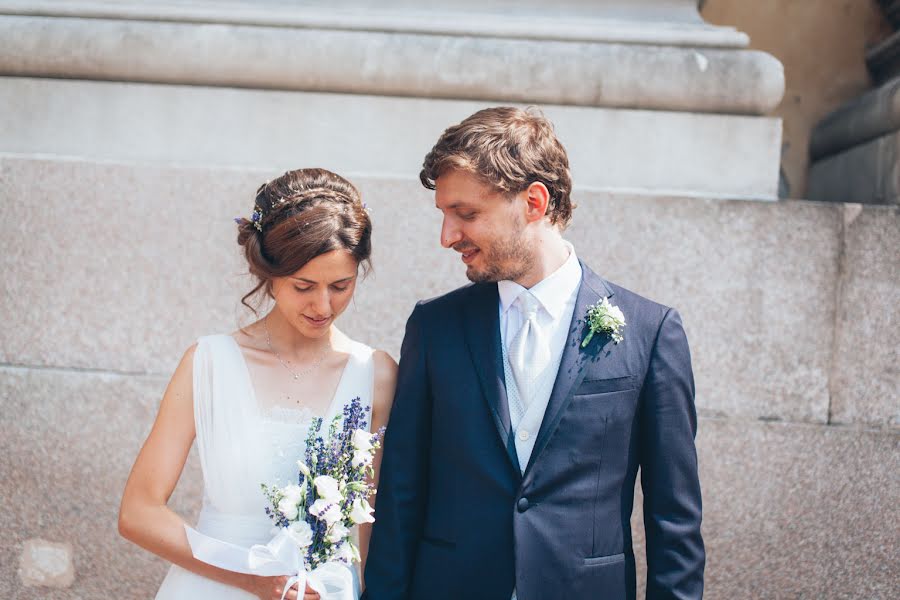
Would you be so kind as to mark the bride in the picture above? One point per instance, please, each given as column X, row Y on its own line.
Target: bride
column 248, row 397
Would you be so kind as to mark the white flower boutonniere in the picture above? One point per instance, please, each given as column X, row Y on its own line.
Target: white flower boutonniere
column 604, row 317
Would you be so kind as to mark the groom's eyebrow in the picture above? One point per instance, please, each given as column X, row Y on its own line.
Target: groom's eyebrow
column 453, row 206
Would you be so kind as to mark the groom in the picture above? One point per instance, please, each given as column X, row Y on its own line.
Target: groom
column 513, row 447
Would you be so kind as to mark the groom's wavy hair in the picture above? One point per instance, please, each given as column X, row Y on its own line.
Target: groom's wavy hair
column 301, row 215
column 507, row 149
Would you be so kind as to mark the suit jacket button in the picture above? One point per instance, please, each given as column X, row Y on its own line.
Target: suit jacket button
column 522, row 505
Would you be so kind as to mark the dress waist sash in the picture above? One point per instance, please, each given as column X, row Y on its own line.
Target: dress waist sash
column 239, row 529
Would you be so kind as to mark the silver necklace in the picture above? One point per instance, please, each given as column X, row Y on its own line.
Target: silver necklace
column 296, row 374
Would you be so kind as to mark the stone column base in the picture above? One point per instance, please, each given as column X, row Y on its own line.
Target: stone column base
column 656, row 152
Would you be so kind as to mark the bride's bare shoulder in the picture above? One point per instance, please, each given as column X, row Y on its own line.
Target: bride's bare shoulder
column 250, row 336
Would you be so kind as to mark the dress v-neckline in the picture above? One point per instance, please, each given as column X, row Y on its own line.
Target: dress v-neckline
column 329, row 411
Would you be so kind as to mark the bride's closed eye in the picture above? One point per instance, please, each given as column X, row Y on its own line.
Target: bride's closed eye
column 338, row 288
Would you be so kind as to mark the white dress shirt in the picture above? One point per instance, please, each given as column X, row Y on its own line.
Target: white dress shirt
column 556, row 294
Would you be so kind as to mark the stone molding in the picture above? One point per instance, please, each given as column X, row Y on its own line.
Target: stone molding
column 678, row 25
column 394, row 64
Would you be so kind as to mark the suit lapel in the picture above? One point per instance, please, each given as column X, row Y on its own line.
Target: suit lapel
column 574, row 358
column 482, row 333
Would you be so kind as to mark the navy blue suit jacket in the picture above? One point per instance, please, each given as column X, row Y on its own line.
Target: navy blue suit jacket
column 456, row 518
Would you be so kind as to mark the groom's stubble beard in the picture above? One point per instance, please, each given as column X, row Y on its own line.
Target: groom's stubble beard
column 504, row 260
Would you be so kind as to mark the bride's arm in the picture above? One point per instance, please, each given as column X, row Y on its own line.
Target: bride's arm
column 383, row 398
column 144, row 517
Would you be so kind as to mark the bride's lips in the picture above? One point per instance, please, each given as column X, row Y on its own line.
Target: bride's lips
column 469, row 255
column 317, row 322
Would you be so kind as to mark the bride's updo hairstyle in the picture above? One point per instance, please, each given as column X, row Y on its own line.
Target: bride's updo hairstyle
column 297, row 217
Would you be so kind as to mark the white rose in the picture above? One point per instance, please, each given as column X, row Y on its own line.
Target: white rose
column 293, row 493
column 318, row 507
column 303, row 468
column 361, row 459
column 327, row 488
column 362, row 440
column 326, row 511
column 288, row 509
column 333, row 515
column 343, row 553
column 301, row 533
column 361, row 512
column 337, row 533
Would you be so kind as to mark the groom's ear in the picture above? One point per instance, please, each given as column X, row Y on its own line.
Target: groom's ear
column 537, row 198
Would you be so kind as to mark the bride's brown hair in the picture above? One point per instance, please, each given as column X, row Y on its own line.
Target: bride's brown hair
column 301, row 215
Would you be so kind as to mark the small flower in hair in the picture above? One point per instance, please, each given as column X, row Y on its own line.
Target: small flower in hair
column 256, row 218
column 366, row 208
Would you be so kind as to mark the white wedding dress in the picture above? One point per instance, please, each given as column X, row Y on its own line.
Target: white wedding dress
column 243, row 442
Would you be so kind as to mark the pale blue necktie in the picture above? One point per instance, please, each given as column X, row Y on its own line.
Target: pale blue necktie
column 529, row 352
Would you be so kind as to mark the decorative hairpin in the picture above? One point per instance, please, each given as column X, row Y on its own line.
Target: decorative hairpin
column 255, row 219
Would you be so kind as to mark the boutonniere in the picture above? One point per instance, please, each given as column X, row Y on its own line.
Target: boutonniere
column 604, row 317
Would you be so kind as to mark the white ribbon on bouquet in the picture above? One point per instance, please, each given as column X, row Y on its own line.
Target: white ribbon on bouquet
column 332, row 580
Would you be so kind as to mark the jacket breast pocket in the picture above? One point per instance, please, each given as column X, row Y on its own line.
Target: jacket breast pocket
column 604, row 386
column 604, row 560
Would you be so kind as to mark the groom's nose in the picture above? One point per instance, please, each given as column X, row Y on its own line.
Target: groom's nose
column 450, row 234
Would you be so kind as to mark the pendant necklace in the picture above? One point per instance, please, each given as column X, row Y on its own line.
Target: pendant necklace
column 295, row 374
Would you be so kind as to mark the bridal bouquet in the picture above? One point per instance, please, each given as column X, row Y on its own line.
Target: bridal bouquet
column 314, row 516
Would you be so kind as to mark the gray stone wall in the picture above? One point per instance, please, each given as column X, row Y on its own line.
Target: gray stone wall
column 112, row 269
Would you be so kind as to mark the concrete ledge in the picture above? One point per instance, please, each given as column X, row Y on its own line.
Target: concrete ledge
column 431, row 66
column 614, row 149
